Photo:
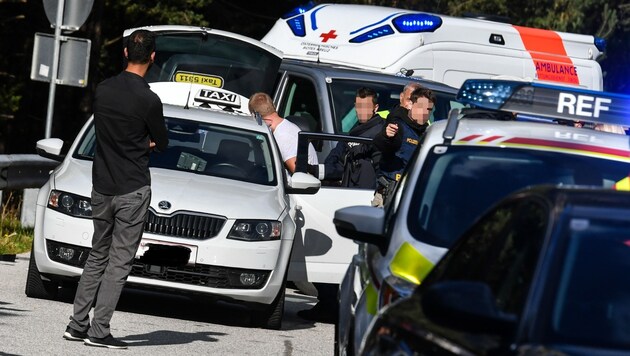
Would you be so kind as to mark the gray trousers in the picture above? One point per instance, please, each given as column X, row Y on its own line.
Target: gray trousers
column 118, row 226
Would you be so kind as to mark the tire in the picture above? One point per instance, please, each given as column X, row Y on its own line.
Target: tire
column 35, row 286
column 271, row 316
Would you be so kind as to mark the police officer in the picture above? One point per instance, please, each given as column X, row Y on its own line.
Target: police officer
column 399, row 139
column 355, row 164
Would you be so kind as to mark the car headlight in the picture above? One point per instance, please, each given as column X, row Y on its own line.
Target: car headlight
column 256, row 230
column 392, row 289
column 71, row 204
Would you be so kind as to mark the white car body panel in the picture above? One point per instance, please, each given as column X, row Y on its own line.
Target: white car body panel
column 457, row 50
column 321, row 255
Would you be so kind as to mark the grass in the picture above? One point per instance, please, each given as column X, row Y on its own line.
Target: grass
column 14, row 238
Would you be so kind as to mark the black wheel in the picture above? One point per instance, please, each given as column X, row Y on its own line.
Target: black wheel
column 35, row 286
column 271, row 316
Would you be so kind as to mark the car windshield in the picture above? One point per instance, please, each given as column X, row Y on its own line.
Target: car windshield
column 213, row 60
column 343, row 93
column 207, row 149
column 458, row 183
column 592, row 302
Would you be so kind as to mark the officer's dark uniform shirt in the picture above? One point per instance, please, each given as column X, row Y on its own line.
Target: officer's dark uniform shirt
column 127, row 115
column 397, row 150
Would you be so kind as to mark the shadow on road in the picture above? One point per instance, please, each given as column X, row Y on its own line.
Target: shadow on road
column 199, row 308
column 166, row 337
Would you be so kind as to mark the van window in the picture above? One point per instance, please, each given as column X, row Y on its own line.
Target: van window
column 301, row 101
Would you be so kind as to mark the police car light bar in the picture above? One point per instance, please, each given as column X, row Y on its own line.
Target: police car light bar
column 547, row 101
column 600, row 43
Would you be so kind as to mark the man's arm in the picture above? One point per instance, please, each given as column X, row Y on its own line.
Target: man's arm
column 389, row 139
column 157, row 128
column 290, row 164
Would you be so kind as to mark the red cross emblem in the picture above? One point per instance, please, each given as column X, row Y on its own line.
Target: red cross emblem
column 326, row 36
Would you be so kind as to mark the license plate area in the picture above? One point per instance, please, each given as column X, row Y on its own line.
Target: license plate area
column 160, row 253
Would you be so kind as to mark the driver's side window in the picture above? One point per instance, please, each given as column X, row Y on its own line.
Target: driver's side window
column 502, row 251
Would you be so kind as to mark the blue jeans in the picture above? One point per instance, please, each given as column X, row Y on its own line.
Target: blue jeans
column 118, row 226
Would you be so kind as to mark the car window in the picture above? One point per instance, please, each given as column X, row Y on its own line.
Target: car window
column 592, row 303
column 300, row 104
column 502, row 251
column 213, row 60
column 343, row 93
column 206, row 149
column 458, row 183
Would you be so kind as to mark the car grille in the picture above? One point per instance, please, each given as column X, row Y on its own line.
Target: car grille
column 198, row 227
column 199, row 275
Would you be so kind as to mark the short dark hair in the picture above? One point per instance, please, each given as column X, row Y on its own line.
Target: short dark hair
column 422, row 92
column 364, row 92
column 140, row 45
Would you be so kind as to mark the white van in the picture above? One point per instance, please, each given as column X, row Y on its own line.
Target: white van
column 440, row 48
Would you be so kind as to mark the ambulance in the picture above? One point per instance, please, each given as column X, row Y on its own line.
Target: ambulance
column 441, row 48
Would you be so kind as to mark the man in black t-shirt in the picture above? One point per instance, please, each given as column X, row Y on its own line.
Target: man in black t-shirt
column 129, row 123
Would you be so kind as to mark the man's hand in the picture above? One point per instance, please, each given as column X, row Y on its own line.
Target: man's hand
column 151, row 144
column 391, row 130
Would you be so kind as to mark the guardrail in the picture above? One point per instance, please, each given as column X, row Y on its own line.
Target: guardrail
column 28, row 172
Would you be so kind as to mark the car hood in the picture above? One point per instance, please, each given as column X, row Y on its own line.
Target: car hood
column 213, row 195
column 189, row 192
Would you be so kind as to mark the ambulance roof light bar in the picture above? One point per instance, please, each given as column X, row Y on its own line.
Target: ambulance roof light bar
column 412, row 23
column 299, row 10
column 546, row 101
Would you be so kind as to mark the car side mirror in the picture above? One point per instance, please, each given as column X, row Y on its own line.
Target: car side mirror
column 468, row 306
column 50, row 148
column 362, row 223
column 302, row 183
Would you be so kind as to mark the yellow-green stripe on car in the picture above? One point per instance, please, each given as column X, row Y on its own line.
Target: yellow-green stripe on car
column 409, row 264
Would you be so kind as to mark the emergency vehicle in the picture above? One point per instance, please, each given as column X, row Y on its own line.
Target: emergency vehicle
column 516, row 135
column 436, row 47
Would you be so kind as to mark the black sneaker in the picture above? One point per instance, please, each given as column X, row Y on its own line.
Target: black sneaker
column 108, row 341
column 74, row 335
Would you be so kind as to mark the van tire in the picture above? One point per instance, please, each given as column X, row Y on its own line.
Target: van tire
column 35, row 286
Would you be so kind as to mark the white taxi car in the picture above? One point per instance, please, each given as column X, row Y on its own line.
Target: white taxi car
column 510, row 140
column 220, row 195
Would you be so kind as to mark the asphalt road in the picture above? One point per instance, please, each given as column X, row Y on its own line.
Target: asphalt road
column 153, row 324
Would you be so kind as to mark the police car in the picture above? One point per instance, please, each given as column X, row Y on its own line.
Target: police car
column 436, row 47
column 509, row 140
column 220, row 197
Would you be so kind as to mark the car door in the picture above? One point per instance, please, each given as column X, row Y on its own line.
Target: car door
column 501, row 251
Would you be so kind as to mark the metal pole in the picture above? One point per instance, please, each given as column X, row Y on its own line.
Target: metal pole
column 55, row 68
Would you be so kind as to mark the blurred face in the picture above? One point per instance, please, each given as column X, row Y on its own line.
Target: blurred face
column 365, row 108
column 421, row 110
column 405, row 100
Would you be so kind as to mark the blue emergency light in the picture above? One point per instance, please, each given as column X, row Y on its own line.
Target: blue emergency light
column 296, row 25
column 600, row 43
column 413, row 23
column 299, row 10
column 547, row 101
column 373, row 34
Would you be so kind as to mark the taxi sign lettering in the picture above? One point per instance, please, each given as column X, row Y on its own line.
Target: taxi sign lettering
column 195, row 78
column 582, row 105
column 216, row 97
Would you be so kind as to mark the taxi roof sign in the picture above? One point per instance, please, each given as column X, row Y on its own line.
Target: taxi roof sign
column 547, row 101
